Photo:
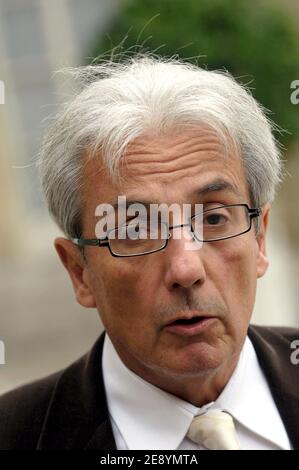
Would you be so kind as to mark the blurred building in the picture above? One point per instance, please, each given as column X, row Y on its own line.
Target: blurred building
column 37, row 37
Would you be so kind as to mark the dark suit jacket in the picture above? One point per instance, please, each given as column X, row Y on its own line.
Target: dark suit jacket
column 68, row 409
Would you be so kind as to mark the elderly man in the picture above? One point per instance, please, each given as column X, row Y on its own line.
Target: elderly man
column 178, row 366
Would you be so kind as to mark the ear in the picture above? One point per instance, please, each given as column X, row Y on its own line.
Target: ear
column 262, row 260
column 78, row 271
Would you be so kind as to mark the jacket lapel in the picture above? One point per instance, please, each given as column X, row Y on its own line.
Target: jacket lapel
column 77, row 416
column 102, row 438
column 272, row 346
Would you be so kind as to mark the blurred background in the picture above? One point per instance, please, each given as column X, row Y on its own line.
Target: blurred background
column 41, row 326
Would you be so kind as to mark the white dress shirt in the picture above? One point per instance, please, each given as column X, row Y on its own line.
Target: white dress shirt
column 146, row 417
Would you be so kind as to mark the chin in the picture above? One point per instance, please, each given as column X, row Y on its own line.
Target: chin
column 196, row 360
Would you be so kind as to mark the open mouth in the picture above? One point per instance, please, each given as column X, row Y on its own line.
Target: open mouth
column 188, row 321
column 190, row 326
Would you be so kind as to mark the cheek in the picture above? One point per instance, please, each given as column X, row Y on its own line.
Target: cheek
column 236, row 277
column 123, row 294
column 126, row 309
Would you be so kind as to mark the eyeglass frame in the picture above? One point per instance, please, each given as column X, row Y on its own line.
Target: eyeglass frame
column 104, row 242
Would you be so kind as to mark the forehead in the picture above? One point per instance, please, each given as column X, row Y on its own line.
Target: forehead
column 170, row 168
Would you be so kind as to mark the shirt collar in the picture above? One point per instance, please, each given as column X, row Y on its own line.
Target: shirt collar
column 144, row 413
column 248, row 399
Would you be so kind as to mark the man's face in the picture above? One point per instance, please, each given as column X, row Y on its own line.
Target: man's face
column 138, row 297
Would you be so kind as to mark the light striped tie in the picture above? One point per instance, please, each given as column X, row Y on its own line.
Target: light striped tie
column 214, row 430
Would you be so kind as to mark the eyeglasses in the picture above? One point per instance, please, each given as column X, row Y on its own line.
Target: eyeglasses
column 211, row 225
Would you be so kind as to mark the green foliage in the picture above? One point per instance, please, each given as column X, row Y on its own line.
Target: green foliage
column 256, row 41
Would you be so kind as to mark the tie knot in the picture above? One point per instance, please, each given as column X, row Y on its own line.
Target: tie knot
column 214, row 430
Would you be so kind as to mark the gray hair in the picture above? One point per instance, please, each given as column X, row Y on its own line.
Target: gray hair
column 119, row 101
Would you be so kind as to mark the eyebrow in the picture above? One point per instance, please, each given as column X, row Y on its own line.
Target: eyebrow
column 218, row 185
column 214, row 186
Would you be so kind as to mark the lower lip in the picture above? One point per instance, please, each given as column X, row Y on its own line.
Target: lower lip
column 190, row 330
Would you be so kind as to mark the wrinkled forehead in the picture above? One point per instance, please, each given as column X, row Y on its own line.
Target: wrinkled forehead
column 192, row 166
column 168, row 167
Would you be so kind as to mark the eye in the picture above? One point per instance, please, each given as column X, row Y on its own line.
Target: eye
column 215, row 219
column 138, row 233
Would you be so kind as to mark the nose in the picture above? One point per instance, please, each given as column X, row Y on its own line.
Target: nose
column 185, row 266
